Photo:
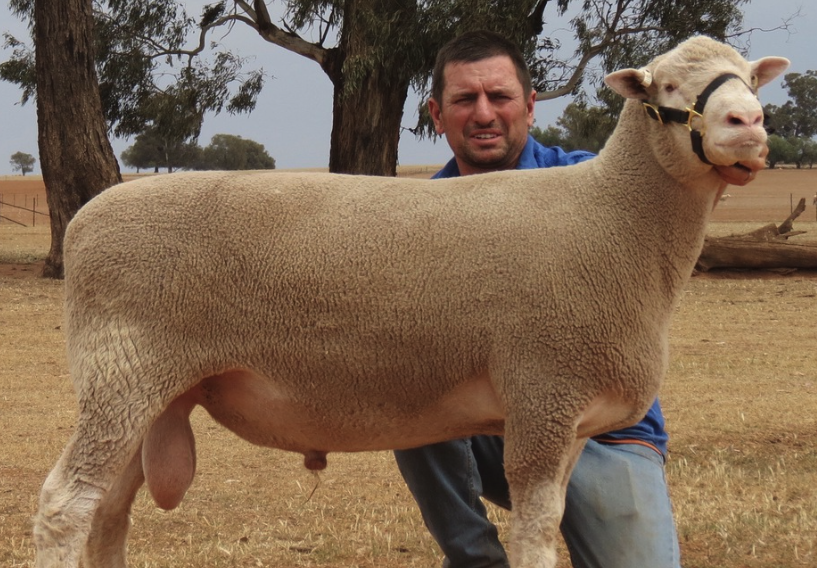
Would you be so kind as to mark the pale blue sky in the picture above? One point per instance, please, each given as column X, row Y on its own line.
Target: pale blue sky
column 293, row 118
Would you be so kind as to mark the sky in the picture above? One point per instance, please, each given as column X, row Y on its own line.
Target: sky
column 293, row 118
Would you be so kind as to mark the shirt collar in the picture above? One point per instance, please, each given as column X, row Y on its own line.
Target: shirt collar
column 527, row 160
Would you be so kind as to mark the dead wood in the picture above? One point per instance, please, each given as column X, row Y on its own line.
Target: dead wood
column 765, row 248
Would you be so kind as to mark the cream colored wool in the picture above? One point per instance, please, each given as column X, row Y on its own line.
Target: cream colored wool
column 319, row 313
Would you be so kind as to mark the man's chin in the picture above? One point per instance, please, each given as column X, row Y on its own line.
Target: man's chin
column 490, row 161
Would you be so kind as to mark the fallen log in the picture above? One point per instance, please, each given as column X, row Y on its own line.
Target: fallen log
column 764, row 248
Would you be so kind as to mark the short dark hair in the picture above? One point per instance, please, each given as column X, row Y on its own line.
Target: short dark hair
column 476, row 46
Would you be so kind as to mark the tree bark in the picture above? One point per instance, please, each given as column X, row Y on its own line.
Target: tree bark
column 368, row 100
column 366, row 127
column 764, row 248
column 76, row 156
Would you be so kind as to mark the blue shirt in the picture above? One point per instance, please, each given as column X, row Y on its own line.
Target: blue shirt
column 650, row 431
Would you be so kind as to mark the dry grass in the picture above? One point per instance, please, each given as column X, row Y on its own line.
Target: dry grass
column 740, row 400
column 23, row 245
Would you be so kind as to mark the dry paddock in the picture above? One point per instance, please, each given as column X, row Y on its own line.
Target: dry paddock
column 740, row 400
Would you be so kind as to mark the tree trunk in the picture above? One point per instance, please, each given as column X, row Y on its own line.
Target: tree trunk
column 366, row 127
column 765, row 248
column 370, row 88
column 76, row 156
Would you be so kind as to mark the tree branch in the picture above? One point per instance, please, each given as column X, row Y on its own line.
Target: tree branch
column 536, row 19
column 571, row 83
column 273, row 34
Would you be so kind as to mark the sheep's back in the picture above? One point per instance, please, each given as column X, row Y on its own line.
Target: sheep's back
column 345, row 272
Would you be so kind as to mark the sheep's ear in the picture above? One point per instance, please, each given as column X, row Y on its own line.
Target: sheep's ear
column 630, row 83
column 766, row 69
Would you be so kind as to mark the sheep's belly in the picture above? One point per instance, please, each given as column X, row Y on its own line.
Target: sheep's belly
column 260, row 411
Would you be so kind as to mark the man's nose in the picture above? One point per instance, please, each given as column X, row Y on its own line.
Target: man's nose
column 483, row 110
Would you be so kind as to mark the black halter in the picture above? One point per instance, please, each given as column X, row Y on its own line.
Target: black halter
column 667, row 114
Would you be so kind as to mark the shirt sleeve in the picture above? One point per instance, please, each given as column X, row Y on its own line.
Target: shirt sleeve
column 550, row 156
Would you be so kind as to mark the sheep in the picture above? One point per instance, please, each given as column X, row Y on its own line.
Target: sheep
column 322, row 313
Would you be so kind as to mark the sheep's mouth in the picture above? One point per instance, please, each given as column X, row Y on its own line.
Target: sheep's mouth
column 740, row 173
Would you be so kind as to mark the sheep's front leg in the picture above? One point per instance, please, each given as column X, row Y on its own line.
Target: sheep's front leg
column 538, row 474
column 107, row 541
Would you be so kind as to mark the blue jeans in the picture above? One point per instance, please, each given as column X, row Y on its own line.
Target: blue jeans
column 617, row 512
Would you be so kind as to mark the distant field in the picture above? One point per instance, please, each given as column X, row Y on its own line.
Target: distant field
column 740, row 401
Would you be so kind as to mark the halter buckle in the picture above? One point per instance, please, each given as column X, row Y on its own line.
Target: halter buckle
column 693, row 114
column 653, row 112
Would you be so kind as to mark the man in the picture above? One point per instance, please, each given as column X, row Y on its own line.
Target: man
column 618, row 512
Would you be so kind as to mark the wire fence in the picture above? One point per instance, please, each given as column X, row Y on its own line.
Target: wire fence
column 23, row 209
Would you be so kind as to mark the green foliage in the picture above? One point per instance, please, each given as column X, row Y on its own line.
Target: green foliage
column 225, row 152
column 808, row 152
column 802, row 89
column 153, row 151
column 22, row 162
column 20, row 68
column 795, row 122
column 147, row 80
column 551, row 136
column 781, row 150
column 228, row 152
column 581, row 127
column 586, row 127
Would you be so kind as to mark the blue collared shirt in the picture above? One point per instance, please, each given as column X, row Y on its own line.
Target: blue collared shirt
column 534, row 155
column 650, row 431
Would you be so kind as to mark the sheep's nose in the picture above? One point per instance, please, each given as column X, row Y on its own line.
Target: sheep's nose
column 751, row 118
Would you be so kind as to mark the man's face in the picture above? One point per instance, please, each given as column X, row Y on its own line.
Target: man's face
column 484, row 114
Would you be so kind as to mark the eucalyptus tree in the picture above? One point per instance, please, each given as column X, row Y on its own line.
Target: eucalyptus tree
column 795, row 121
column 76, row 156
column 229, row 152
column 22, row 162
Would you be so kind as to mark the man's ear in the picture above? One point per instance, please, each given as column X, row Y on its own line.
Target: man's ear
column 531, row 103
column 434, row 111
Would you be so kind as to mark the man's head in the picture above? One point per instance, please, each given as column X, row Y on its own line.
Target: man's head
column 482, row 101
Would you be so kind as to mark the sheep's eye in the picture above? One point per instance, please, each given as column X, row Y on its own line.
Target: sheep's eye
column 669, row 88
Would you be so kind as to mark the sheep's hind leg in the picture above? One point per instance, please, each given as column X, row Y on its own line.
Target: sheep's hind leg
column 106, row 546
column 64, row 517
column 93, row 464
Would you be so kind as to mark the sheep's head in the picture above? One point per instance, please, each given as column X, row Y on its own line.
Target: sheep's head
column 706, row 93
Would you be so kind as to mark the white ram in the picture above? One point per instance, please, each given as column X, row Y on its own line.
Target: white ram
column 319, row 313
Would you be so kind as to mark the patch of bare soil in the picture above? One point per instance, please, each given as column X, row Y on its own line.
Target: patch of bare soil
column 21, row 270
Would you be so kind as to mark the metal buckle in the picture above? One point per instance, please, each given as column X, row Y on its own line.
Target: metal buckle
column 652, row 111
column 693, row 114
